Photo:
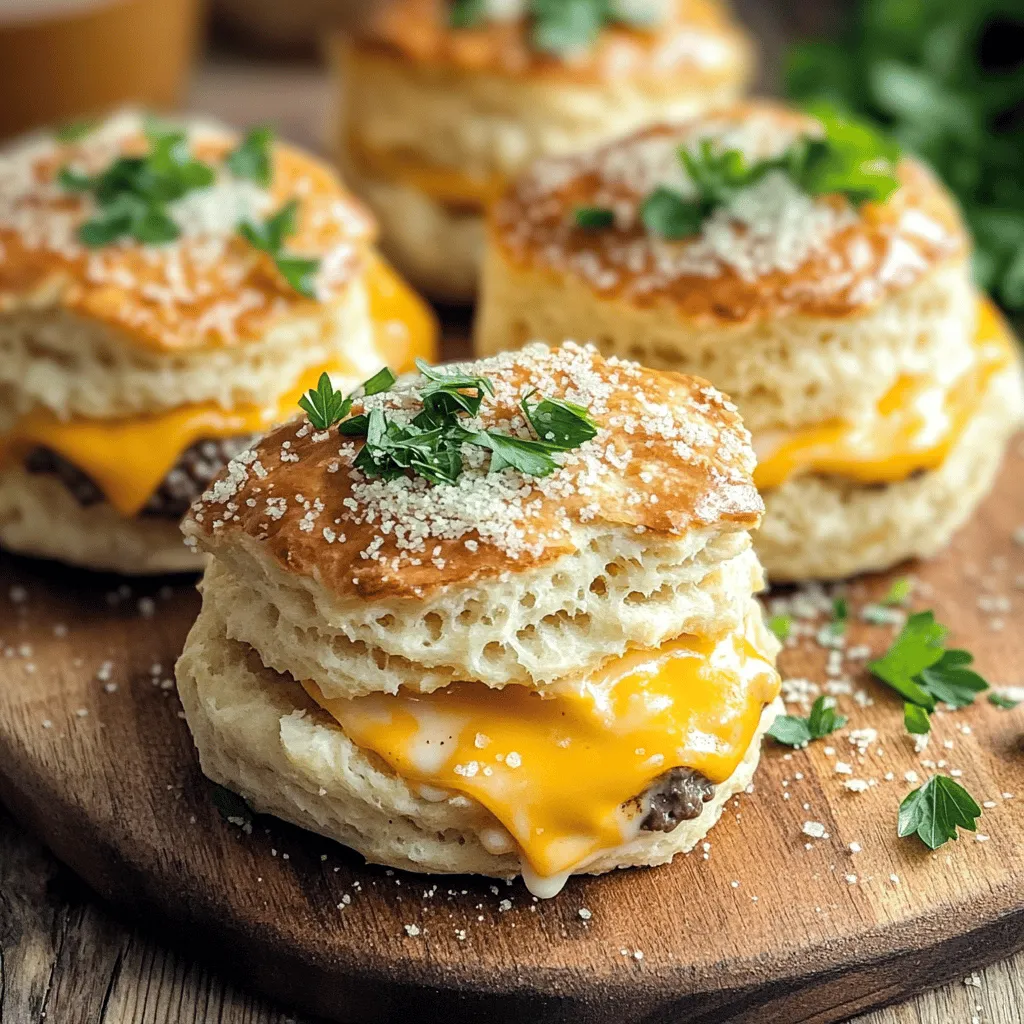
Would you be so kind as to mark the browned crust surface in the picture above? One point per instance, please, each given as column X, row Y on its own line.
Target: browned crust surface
column 198, row 293
column 861, row 258
column 700, row 44
column 671, row 455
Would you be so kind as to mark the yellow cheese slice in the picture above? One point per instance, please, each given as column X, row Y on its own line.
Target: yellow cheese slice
column 128, row 458
column 447, row 185
column 560, row 773
column 914, row 428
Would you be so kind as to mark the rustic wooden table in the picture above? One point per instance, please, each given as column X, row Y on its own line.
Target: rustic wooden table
column 66, row 959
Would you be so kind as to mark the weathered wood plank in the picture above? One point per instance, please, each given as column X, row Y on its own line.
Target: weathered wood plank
column 128, row 978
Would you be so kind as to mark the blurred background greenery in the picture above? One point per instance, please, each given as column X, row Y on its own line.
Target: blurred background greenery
column 946, row 77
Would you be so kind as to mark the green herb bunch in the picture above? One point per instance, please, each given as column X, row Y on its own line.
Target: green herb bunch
column 849, row 158
column 133, row 192
column 946, row 79
column 559, row 27
column 133, row 195
column 431, row 444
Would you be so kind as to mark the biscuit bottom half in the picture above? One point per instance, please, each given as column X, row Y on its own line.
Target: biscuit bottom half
column 625, row 766
column 832, row 525
column 39, row 516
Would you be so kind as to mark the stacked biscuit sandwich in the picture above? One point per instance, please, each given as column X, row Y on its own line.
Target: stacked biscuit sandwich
column 166, row 293
column 442, row 101
column 493, row 618
column 817, row 277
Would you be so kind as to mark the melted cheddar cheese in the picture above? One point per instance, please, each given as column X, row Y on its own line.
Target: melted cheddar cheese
column 914, row 427
column 129, row 458
column 447, row 185
column 561, row 773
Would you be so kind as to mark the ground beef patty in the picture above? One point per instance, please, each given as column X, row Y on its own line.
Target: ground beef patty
column 190, row 476
column 678, row 795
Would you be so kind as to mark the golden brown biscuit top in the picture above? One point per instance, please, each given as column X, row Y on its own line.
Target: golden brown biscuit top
column 698, row 40
column 773, row 252
column 671, row 455
column 208, row 288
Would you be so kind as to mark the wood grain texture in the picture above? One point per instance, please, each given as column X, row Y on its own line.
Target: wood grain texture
column 130, row 978
column 95, row 758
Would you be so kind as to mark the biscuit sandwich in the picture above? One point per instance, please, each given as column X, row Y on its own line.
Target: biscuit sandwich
column 443, row 101
column 166, row 293
column 499, row 620
column 818, row 278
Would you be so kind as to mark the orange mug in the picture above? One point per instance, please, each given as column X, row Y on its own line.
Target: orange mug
column 61, row 60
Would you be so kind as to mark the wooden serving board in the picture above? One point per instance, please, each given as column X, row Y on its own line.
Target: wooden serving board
column 767, row 927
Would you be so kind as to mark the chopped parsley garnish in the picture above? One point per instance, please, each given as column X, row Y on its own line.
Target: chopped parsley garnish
column 594, row 218
column 850, row 159
column 798, row 732
column 251, row 160
column 898, row 593
column 133, row 193
column 74, row 131
column 269, row 237
column 917, row 720
column 324, row 406
column 430, row 445
column 840, row 616
column 936, row 810
column 467, row 13
column 558, row 27
column 920, row 668
column 781, row 626
column 1000, row 700
column 563, row 425
column 133, row 197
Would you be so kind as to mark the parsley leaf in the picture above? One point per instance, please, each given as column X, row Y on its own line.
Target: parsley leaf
column 919, row 668
column 797, row 732
column 560, row 424
column 1000, row 700
column 916, row 719
column 74, row 131
column 383, row 380
column 840, row 616
column 850, row 159
column 132, row 194
column 934, row 812
column 898, row 593
column 269, row 237
column 527, row 456
column 667, row 213
column 324, row 406
column 431, row 445
column 567, row 26
column 781, row 626
column 251, row 160
column 448, row 394
column 467, row 13
column 594, row 218
column 559, row 27
column 918, row 647
column 951, row 681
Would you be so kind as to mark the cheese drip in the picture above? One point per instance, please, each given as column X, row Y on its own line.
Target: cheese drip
column 129, row 458
column 914, row 427
column 447, row 185
column 562, row 773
